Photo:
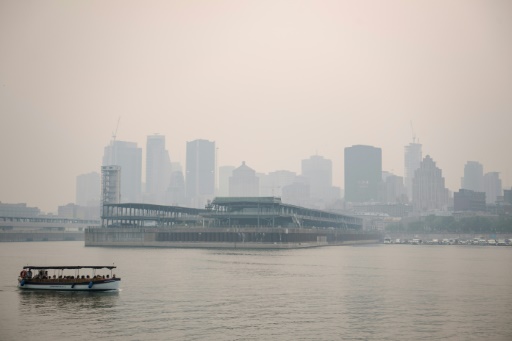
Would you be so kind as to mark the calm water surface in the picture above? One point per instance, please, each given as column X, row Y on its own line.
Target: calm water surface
column 378, row 292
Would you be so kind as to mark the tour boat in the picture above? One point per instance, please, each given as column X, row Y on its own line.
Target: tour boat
column 68, row 278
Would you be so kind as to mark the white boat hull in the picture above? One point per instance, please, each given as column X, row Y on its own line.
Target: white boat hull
column 104, row 285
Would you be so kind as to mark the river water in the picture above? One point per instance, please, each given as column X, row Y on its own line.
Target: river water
column 377, row 292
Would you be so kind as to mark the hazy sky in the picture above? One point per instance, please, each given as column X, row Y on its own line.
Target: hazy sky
column 271, row 82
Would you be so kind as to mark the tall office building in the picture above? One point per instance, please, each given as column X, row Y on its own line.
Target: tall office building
column 429, row 192
column 158, row 169
column 244, row 182
column 393, row 189
column 492, row 187
column 412, row 159
column 129, row 157
column 88, row 189
column 225, row 173
column 200, row 172
column 363, row 173
column 473, row 176
column 318, row 171
column 176, row 191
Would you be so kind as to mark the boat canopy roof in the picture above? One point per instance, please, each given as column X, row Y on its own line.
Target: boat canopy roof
column 110, row 267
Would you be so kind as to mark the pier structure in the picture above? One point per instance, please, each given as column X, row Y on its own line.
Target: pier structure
column 226, row 222
column 271, row 212
column 147, row 215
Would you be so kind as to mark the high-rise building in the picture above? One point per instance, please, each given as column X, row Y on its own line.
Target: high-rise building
column 363, row 173
column 394, row 190
column 492, row 187
column 244, row 182
column 158, row 169
column 429, row 191
column 200, row 172
column 225, row 173
column 473, row 176
column 88, row 189
column 412, row 158
column 318, row 171
column 129, row 157
column 176, row 192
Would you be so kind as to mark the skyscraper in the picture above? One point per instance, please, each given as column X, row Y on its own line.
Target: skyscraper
column 158, row 169
column 243, row 182
column 225, row 173
column 429, row 192
column 363, row 173
column 318, row 171
column 176, row 192
column 412, row 160
column 88, row 188
column 200, row 172
column 492, row 187
column 473, row 176
column 129, row 157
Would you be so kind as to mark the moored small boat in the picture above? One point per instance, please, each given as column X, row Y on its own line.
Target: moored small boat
column 39, row 278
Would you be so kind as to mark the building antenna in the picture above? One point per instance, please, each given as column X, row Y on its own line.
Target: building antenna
column 413, row 134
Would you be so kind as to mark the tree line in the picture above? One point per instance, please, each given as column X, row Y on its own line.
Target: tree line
column 439, row 224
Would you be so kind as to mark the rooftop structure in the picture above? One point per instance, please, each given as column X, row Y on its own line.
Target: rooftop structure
column 226, row 212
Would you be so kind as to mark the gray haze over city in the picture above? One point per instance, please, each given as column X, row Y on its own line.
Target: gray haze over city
column 270, row 82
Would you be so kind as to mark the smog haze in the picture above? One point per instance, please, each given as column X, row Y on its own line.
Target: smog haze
column 271, row 82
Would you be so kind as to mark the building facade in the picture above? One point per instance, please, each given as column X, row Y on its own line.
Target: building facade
column 468, row 200
column 412, row 160
column 318, row 172
column 429, row 191
column 492, row 187
column 88, row 189
column 200, row 172
column 363, row 173
column 129, row 157
column 18, row 210
column 158, row 169
column 473, row 176
column 225, row 172
column 274, row 182
column 244, row 182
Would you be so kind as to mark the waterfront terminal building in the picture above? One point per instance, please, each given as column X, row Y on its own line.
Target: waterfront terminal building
column 226, row 222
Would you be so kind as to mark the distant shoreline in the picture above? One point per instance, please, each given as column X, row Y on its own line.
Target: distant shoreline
column 40, row 236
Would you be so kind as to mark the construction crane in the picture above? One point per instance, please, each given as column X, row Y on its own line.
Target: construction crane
column 112, row 148
column 114, row 134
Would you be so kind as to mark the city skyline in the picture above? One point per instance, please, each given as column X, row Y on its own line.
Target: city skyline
column 272, row 83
